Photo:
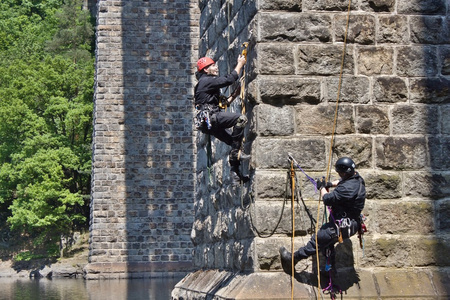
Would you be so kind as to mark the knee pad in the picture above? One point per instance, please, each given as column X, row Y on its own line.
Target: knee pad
column 242, row 121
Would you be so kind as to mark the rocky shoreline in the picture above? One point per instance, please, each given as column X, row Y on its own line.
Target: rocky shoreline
column 64, row 268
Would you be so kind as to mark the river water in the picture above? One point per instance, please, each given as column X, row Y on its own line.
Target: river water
column 80, row 289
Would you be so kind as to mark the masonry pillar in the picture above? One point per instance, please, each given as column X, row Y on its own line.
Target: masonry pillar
column 392, row 120
column 143, row 151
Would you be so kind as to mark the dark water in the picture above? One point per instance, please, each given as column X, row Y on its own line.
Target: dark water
column 80, row 289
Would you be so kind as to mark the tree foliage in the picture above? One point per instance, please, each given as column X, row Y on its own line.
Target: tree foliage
column 46, row 104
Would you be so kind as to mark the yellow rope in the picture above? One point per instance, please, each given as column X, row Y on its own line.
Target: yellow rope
column 293, row 227
column 331, row 145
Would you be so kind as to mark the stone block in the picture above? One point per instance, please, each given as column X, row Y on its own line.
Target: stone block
column 319, row 119
column 294, row 27
column 276, row 59
column 426, row 185
column 361, row 29
column 414, row 119
column 416, row 61
column 372, row 120
column 270, row 185
column 443, row 217
column 404, row 251
column 378, row 5
column 375, row 60
column 288, row 5
column 390, row 89
column 386, row 185
column 395, row 217
column 359, row 148
column 289, row 90
column 427, row 30
column 392, row 29
column 445, row 120
column 430, row 90
column 273, row 153
column 402, row 285
column 444, row 58
column 323, row 59
column 439, row 152
column 401, row 153
column 425, row 7
column 328, row 5
column 353, row 89
column 275, row 217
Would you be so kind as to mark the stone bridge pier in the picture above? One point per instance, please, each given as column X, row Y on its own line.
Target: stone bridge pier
column 162, row 202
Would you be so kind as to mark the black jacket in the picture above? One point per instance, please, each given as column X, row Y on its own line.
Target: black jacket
column 348, row 198
column 207, row 90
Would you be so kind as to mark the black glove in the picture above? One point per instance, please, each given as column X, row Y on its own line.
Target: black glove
column 323, row 184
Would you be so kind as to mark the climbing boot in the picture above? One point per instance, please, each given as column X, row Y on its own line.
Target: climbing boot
column 286, row 260
column 236, row 176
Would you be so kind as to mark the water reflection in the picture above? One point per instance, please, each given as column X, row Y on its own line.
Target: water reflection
column 79, row 289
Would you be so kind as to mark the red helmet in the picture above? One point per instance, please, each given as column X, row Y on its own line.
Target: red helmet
column 204, row 62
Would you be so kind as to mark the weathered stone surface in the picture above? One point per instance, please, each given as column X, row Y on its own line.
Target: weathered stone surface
column 276, row 59
column 353, row 89
column 404, row 251
column 288, row 5
column 443, row 216
column 445, row 119
column 323, row 59
column 401, row 153
column 270, row 184
column 426, row 185
column 372, row 120
column 394, row 217
column 400, row 284
column 295, row 27
column 289, row 90
column 275, row 217
column 427, row 30
column 416, row 61
column 392, row 29
column 378, row 5
column 310, row 152
column 361, row 29
column 439, row 152
column 414, row 119
column 358, row 148
column 328, row 5
column 426, row 7
column 386, row 185
column 390, row 89
column 444, row 58
column 275, row 120
column 319, row 119
column 430, row 90
column 375, row 61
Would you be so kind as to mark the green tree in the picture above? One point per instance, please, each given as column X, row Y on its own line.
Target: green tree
column 46, row 104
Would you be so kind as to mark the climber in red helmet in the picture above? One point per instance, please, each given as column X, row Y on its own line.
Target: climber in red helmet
column 211, row 119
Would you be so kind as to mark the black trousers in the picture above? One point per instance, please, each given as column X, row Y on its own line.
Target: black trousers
column 221, row 124
column 327, row 236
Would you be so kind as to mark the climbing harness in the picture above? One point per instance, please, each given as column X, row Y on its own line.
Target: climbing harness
column 202, row 120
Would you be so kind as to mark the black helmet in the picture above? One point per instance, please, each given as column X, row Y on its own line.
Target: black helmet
column 345, row 165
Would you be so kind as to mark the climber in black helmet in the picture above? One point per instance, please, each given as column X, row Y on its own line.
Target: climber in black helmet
column 218, row 122
column 346, row 202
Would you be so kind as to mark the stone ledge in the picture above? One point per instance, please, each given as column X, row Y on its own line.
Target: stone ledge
column 360, row 284
column 124, row 270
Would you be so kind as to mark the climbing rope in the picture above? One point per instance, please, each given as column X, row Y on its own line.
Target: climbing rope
column 332, row 139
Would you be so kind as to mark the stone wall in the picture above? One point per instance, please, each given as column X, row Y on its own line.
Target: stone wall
column 393, row 105
column 143, row 151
